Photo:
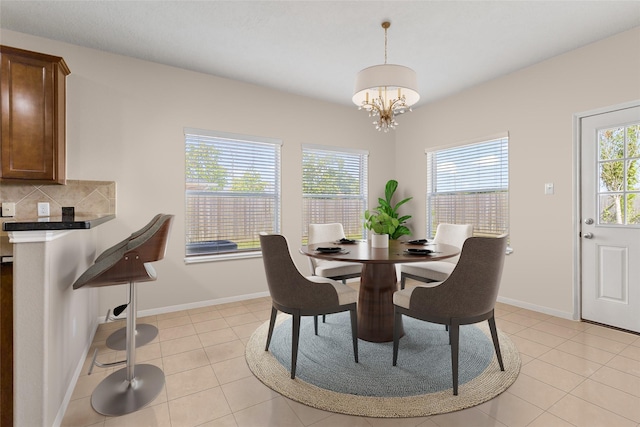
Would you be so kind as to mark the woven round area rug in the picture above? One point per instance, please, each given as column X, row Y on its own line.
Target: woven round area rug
column 328, row 378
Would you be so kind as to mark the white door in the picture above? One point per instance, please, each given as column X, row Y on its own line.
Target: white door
column 610, row 215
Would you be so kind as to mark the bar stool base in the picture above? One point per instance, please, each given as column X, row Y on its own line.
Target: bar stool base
column 144, row 335
column 116, row 396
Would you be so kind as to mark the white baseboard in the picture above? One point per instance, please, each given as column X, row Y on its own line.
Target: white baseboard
column 538, row 308
column 192, row 305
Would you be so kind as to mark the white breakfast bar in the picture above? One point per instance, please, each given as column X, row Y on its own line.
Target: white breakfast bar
column 53, row 325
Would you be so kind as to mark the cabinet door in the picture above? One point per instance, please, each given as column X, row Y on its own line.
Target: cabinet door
column 33, row 120
column 6, row 344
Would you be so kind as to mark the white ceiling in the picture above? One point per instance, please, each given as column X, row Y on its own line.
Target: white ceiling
column 315, row 48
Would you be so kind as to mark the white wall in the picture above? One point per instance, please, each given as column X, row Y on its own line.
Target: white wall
column 536, row 106
column 125, row 120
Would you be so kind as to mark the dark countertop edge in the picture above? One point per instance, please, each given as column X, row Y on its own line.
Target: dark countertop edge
column 81, row 223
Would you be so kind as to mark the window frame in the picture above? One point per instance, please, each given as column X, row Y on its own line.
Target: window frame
column 478, row 231
column 276, row 193
column 363, row 173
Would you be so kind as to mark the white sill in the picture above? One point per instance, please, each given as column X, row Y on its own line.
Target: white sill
column 222, row 257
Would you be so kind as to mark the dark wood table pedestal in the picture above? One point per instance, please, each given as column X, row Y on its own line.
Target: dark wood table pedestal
column 375, row 302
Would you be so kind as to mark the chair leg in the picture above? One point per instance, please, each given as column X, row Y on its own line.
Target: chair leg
column 496, row 343
column 403, row 279
column 272, row 324
column 315, row 324
column 354, row 331
column 396, row 336
column 295, row 339
column 454, row 337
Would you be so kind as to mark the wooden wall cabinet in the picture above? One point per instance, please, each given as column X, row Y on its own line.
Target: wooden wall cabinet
column 32, row 135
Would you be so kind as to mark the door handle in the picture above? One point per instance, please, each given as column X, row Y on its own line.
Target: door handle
column 588, row 235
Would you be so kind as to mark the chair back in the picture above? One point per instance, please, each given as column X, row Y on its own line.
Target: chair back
column 124, row 242
column 129, row 262
column 319, row 233
column 151, row 245
column 453, row 234
column 325, row 232
column 472, row 288
column 287, row 286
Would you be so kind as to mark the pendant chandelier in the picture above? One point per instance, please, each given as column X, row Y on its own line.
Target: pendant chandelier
column 386, row 90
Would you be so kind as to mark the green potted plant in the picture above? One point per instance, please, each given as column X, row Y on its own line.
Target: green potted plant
column 385, row 220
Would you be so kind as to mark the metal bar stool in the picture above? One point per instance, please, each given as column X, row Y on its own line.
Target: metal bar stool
column 144, row 333
column 136, row 385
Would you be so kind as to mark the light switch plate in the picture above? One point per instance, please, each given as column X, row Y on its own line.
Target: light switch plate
column 548, row 188
column 8, row 209
column 43, row 209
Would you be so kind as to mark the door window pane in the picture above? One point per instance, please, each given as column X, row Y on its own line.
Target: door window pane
column 611, row 143
column 611, row 208
column 611, row 176
column 633, row 208
column 633, row 171
column 633, row 141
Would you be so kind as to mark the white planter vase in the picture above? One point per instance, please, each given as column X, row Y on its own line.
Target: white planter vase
column 379, row 240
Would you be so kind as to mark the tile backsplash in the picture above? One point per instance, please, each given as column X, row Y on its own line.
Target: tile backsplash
column 87, row 197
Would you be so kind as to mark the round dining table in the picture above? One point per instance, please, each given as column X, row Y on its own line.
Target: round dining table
column 378, row 279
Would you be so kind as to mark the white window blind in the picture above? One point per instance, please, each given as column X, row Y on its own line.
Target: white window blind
column 232, row 191
column 334, row 188
column 469, row 184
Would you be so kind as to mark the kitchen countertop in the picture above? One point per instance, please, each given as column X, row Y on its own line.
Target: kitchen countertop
column 77, row 222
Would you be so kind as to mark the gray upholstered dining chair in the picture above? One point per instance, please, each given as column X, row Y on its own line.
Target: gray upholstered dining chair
column 437, row 271
column 298, row 296
column 467, row 296
column 336, row 270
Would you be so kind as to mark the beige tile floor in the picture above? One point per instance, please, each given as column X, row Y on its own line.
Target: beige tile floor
column 573, row 374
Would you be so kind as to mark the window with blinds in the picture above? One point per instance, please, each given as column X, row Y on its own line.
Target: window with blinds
column 469, row 184
column 334, row 188
column 232, row 192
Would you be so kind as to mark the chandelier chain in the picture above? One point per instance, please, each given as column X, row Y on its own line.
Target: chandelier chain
column 385, row 43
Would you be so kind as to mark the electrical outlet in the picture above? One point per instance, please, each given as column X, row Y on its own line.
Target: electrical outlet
column 8, row 209
column 43, row 209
